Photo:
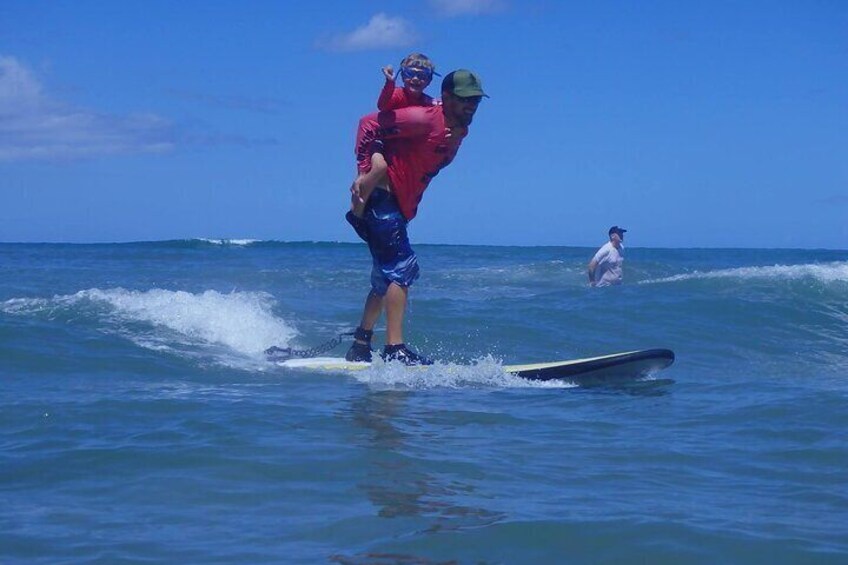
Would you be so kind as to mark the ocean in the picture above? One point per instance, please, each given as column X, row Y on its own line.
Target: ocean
column 141, row 423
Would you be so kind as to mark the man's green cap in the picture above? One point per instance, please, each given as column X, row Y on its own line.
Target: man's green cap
column 464, row 83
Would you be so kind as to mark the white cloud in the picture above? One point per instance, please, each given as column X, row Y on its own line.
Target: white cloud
column 380, row 32
column 451, row 8
column 35, row 126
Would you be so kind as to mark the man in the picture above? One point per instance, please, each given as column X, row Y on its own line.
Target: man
column 605, row 266
column 417, row 142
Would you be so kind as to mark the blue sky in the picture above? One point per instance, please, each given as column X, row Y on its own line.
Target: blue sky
column 692, row 124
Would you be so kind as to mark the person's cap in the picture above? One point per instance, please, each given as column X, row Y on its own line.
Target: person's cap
column 464, row 83
column 616, row 229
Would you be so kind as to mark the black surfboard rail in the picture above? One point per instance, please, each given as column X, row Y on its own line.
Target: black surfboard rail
column 620, row 365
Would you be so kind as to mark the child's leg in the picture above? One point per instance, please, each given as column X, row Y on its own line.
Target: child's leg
column 365, row 183
column 378, row 163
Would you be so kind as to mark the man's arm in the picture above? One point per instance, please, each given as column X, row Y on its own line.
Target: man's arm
column 593, row 264
column 591, row 271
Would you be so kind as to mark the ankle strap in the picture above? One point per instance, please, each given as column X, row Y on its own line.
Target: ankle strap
column 362, row 334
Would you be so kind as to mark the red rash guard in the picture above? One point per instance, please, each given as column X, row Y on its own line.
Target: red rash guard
column 394, row 98
column 417, row 145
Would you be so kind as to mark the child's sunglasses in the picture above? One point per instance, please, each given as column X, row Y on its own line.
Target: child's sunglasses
column 413, row 72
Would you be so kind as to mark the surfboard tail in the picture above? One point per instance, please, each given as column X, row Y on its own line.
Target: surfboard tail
column 632, row 364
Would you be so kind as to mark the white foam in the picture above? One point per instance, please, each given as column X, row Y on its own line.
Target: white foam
column 241, row 321
column 25, row 305
column 483, row 372
column 836, row 271
column 236, row 242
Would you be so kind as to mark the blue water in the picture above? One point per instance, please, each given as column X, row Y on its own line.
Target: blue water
column 139, row 422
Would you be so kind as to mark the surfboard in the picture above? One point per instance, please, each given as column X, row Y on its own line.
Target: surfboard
column 627, row 365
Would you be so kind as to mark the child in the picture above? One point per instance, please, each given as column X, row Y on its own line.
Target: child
column 416, row 71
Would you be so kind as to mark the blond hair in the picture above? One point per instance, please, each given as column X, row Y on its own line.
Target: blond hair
column 419, row 61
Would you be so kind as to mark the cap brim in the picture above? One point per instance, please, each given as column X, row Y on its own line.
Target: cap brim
column 469, row 92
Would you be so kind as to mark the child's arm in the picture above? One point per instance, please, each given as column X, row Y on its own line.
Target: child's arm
column 384, row 102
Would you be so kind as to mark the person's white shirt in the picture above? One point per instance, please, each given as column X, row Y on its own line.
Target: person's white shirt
column 608, row 265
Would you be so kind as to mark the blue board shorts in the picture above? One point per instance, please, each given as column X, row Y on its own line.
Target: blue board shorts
column 394, row 261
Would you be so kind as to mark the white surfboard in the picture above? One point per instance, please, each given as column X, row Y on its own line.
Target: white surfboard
column 631, row 364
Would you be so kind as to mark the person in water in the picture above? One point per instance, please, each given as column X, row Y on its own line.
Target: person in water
column 416, row 72
column 605, row 267
column 419, row 141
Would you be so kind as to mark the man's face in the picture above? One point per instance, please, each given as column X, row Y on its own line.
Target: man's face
column 460, row 110
column 616, row 238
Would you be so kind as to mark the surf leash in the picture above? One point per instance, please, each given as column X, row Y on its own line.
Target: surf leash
column 276, row 353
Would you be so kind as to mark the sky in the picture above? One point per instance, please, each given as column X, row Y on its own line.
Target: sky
column 691, row 124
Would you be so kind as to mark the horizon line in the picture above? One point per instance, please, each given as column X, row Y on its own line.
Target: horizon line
column 247, row 241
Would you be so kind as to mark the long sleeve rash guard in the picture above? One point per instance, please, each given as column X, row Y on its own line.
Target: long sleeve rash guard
column 395, row 97
column 416, row 144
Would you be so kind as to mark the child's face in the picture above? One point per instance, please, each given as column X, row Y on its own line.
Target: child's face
column 415, row 79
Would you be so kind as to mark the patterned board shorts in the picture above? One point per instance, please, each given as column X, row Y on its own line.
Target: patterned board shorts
column 384, row 228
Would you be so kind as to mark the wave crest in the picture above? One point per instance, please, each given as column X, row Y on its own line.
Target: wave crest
column 836, row 271
column 241, row 321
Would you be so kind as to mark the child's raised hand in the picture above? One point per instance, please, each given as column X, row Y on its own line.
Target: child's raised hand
column 389, row 73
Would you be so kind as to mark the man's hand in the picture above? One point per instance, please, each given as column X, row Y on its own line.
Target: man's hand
column 357, row 202
column 356, row 192
column 389, row 73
